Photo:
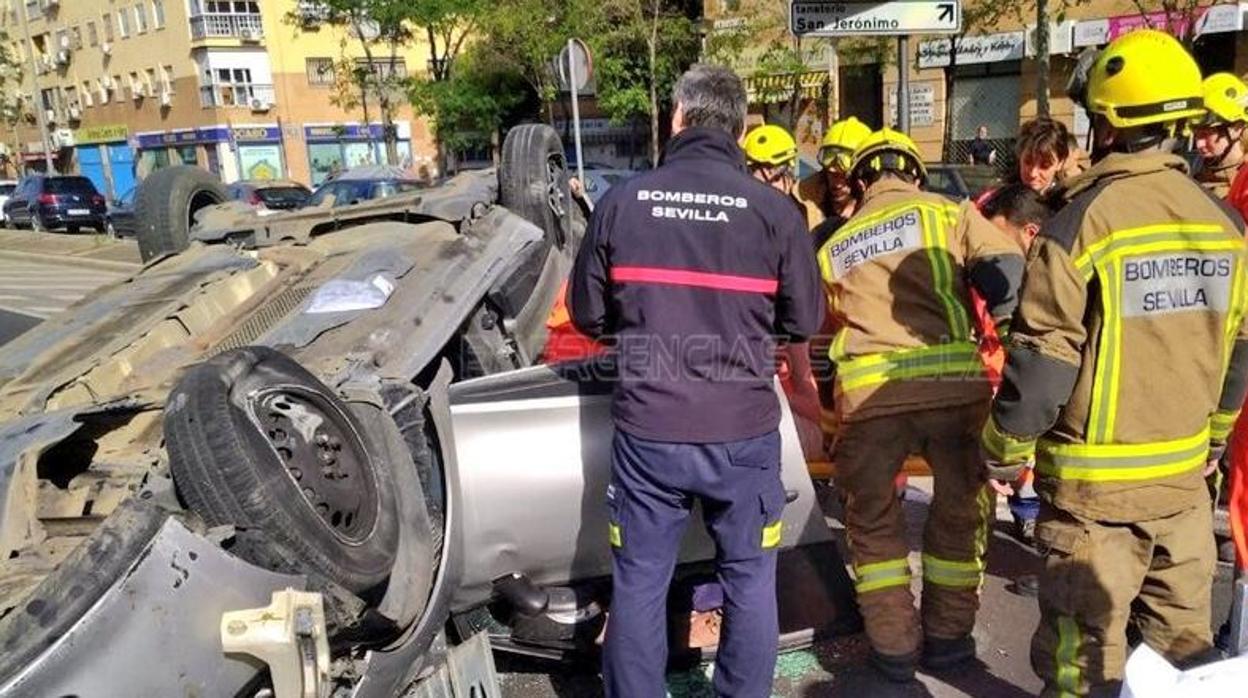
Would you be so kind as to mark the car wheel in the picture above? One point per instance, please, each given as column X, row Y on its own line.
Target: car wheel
column 111, row 230
column 73, row 229
column 36, row 223
column 256, row 441
column 533, row 180
column 166, row 205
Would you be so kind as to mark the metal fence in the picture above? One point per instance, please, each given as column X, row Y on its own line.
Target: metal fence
column 959, row 151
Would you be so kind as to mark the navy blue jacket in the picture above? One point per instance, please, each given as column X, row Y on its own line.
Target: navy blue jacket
column 691, row 271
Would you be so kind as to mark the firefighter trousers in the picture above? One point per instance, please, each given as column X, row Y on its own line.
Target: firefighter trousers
column 868, row 454
column 1100, row 579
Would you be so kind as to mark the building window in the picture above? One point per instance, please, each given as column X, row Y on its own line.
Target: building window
column 106, row 25
column 320, row 72
column 151, row 81
column 123, row 23
column 158, row 14
column 93, row 34
column 166, row 78
column 233, row 87
column 87, row 99
column 140, row 18
column 76, row 32
column 384, row 69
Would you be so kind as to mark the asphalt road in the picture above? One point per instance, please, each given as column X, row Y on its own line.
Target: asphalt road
column 838, row 668
column 13, row 323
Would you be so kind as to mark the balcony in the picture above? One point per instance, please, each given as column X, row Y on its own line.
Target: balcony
column 216, row 25
column 239, row 94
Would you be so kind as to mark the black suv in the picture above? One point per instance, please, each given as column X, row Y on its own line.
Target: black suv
column 47, row 203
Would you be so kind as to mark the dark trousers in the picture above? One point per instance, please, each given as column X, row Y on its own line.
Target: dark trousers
column 653, row 489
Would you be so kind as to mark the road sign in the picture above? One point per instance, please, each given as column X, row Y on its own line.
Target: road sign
column 574, row 60
column 855, row 18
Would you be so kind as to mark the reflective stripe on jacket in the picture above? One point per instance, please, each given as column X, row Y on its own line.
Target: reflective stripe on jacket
column 1128, row 355
column 899, row 274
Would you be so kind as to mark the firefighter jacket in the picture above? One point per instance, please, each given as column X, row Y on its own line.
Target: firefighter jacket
column 1128, row 355
column 692, row 270
column 898, row 276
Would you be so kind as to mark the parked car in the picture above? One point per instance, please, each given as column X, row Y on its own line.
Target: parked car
column 270, row 195
column 44, row 202
column 958, row 181
column 120, row 218
column 6, row 190
column 334, row 402
column 364, row 184
column 598, row 181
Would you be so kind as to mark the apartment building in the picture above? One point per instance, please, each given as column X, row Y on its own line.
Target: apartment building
column 129, row 86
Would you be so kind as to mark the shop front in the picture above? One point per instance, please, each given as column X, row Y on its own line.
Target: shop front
column 259, row 150
column 335, row 148
column 158, row 149
column 105, row 157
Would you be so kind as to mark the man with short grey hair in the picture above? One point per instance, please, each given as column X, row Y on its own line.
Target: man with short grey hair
column 692, row 272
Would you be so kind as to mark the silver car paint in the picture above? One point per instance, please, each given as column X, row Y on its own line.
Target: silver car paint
column 172, row 599
column 533, row 463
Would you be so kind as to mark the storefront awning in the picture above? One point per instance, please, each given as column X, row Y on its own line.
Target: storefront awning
column 766, row 89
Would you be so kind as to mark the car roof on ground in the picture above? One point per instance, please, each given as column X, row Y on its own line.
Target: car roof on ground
column 269, row 183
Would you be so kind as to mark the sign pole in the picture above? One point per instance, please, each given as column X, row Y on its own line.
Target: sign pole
column 576, row 113
column 903, row 83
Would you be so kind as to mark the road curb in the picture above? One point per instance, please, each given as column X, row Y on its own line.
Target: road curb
column 88, row 262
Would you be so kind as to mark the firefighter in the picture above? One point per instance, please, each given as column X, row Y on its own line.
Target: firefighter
column 1126, row 367
column 909, row 380
column 693, row 268
column 826, row 194
column 1219, row 139
column 771, row 155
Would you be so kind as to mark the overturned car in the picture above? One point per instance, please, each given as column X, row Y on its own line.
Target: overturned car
column 309, row 452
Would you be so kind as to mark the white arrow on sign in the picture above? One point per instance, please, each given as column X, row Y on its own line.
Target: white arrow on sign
column 851, row 18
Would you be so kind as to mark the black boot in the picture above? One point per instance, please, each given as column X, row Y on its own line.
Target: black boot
column 942, row 653
column 895, row 668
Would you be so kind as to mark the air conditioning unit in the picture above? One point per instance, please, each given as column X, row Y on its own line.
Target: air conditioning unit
column 103, row 96
column 248, row 34
column 62, row 57
column 107, row 48
column 106, row 84
column 87, row 99
column 49, row 115
column 75, row 112
column 166, row 99
column 258, row 104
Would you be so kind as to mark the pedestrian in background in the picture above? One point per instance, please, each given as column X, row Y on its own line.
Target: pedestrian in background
column 697, row 263
column 982, row 152
column 909, row 380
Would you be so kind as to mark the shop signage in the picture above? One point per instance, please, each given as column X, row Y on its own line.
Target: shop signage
column 1060, row 38
column 183, row 136
column 856, row 17
column 922, row 104
column 1214, row 20
column 105, row 133
column 988, row 48
column 257, row 134
column 342, row 132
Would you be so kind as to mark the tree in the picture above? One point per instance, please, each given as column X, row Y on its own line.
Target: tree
column 12, row 101
column 526, row 35
column 647, row 44
column 1179, row 17
column 380, row 29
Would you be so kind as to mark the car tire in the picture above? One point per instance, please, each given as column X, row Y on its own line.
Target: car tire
column 533, row 180
column 256, row 441
column 63, row 597
column 36, row 223
column 166, row 204
column 73, row 229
